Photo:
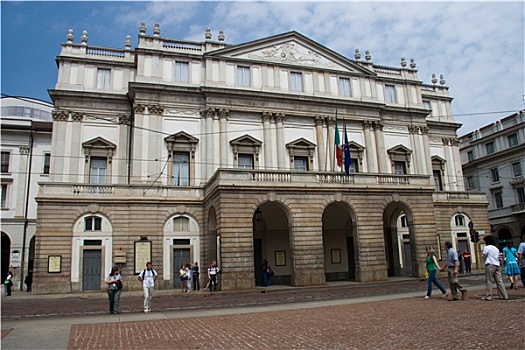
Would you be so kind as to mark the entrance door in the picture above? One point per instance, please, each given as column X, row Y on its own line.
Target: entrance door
column 257, row 263
column 351, row 257
column 91, row 269
column 181, row 256
column 6, row 252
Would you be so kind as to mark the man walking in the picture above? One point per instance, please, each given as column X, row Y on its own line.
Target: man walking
column 453, row 270
column 148, row 277
column 521, row 259
column 492, row 270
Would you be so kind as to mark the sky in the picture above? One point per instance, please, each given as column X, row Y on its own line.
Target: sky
column 479, row 47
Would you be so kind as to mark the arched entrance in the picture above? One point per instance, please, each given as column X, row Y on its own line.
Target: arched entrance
column 271, row 241
column 31, row 258
column 338, row 243
column 400, row 250
column 6, row 255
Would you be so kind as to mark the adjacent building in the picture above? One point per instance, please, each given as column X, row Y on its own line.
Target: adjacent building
column 178, row 151
column 26, row 157
column 493, row 159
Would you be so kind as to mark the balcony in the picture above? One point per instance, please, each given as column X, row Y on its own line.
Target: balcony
column 518, row 208
column 460, row 197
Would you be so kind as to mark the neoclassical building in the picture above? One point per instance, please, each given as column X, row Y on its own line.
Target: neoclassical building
column 26, row 129
column 177, row 151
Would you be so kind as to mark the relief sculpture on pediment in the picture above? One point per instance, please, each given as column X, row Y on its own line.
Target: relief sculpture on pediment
column 291, row 53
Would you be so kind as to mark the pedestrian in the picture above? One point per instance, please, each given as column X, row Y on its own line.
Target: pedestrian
column 453, row 270
column 432, row 266
column 148, row 277
column 492, row 269
column 195, row 276
column 188, row 277
column 267, row 273
column 461, row 262
column 114, row 282
column 213, row 270
column 29, row 281
column 521, row 259
column 8, row 283
column 182, row 274
column 512, row 268
column 467, row 258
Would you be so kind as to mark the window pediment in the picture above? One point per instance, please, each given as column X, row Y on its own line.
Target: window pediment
column 399, row 150
column 301, row 143
column 98, row 143
column 246, row 140
column 438, row 159
column 181, row 137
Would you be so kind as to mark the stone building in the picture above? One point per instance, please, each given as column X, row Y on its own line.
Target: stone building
column 493, row 159
column 179, row 151
column 26, row 126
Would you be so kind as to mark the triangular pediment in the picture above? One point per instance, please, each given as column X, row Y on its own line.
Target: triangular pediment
column 399, row 149
column 437, row 159
column 293, row 49
column 301, row 143
column 355, row 146
column 99, row 143
column 245, row 140
column 181, row 137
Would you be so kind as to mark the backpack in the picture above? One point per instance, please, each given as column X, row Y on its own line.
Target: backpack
column 143, row 273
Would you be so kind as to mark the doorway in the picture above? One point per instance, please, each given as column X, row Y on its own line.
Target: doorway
column 181, row 256
column 91, row 269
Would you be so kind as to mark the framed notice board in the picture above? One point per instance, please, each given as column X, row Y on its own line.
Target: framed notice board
column 142, row 255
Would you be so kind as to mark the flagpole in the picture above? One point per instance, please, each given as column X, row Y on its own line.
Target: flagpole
column 327, row 145
column 335, row 151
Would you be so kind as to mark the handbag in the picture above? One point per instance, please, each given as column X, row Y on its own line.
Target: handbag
column 119, row 284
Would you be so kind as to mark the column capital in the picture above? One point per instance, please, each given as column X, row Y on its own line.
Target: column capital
column 319, row 120
column 207, row 112
column 279, row 117
column 368, row 124
column 23, row 149
column 156, row 109
column 424, row 130
column 378, row 125
column 60, row 115
column 77, row 117
column 139, row 108
column 224, row 113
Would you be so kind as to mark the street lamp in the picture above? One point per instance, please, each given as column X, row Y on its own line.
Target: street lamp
column 258, row 214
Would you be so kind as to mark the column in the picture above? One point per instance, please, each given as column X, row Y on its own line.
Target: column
column 75, row 144
column 267, row 140
column 426, row 147
column 380, row 148
column 58, row 147
column 209, row 143
column 413, row 131
column 281, row 153
column 371, row 157
column 120, row 176
column 321, row 156
column 458, row 173
column 449, row 176
column 223, row 136
column 155, row 144
column 137, row 146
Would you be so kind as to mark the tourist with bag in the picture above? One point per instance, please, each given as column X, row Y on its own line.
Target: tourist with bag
column 148, row 277
column 114, row 282
column 8, row 283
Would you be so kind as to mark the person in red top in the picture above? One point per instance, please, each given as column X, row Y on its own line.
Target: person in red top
column 467, row 260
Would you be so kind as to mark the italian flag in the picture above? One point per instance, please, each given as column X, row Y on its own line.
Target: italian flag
column 338, row 151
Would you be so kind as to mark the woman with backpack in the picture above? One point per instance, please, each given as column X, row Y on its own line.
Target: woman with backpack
column 114, row 282
column 8, row 283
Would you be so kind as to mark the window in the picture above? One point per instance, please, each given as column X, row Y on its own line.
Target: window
column 390, row 93
column 5, row 161
column 470, row 156
column 182, row 72
column 470, row 182
column 494, row 175
column 296, row 81
column 404, row 221
column 516, row 169
column 459, row 220
column 103, row 76
column 300, row 163
column 97, row 170
column 47, row 163
column 498, row 200
column 490, row 147
column 344, row 87
column 243, row 76
column 513, row 140
column 427, row 104
column 520, row 192
column 245, row 161
column 438, row 181
column 4, row 195
column 400, row 168
column 181, row 169
column 92, row 223
column 181, row 223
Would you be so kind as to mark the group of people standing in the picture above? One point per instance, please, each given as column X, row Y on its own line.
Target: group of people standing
column 512, row 259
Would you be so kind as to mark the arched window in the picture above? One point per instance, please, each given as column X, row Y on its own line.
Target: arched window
column 181, row 223
column 92, row 223
column 459, row 220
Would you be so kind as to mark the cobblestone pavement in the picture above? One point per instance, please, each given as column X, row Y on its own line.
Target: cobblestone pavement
column 386, row 315
column 24, row 305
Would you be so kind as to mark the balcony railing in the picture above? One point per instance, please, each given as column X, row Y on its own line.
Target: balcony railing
column 517, row 208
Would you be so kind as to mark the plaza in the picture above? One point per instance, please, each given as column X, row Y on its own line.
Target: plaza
column 382, row 315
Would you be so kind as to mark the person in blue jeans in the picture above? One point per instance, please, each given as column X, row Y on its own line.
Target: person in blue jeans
column 266, row 278
column 432, row 266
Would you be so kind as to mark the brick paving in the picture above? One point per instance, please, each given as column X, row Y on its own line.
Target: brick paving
column 234, row 320
column 413, row 323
